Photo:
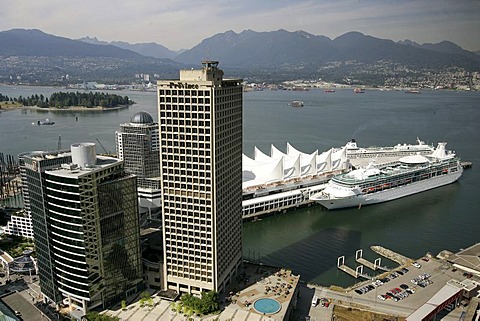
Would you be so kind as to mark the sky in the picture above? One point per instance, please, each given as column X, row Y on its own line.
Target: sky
column 182, row 24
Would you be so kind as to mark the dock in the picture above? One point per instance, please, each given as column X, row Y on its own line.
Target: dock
column 391, row 255
column 357, row 273
column 376, row 265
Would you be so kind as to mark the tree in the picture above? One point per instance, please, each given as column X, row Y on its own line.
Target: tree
column 95, row 316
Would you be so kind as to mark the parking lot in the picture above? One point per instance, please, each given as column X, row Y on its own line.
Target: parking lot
column 401, row 295
column 410, row 286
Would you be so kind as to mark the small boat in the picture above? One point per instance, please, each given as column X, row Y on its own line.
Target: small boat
column 43, row 122
column 412, row 91
column 296, row 103
column 358, row 91
column 329, row 90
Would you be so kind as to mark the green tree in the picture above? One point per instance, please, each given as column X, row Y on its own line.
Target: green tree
column 95, row 316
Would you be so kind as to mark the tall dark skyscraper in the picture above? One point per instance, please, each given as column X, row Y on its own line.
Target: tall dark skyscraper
column 86, row 227
column 200, row 118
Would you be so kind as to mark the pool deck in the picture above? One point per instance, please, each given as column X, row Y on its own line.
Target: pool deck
column 259, row 281
column 278, row 284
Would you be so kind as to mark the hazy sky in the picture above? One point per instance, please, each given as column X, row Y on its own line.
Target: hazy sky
column 179, row 24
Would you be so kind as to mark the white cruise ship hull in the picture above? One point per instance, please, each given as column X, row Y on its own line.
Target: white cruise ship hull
column 388, row 194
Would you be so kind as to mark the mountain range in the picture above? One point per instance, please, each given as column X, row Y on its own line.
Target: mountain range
column 243, row 53
column 283, row 48
column 149, row 49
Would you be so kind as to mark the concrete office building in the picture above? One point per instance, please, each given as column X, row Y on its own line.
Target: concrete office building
column 86, row 228
column 200, row 118
column 137, row 145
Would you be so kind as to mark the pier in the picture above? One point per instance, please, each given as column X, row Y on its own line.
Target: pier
column 391, row 255
column 376, row 265
column 357, row 273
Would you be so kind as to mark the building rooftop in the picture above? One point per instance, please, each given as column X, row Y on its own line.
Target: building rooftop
column 72, row 171
column 142, row 117
column 469, row 258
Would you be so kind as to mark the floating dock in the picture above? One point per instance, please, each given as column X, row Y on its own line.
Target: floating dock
column 357, row 273
column 376, row 265
column 391, row 255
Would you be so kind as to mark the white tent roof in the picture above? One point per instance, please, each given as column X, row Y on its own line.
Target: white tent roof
column 263, row 169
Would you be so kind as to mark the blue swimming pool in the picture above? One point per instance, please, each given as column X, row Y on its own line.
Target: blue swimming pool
column 267, row 306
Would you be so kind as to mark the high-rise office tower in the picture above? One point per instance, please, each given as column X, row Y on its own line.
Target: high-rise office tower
column 200, row 118
column 32, row 167
column 137, row 144
column 86, row 228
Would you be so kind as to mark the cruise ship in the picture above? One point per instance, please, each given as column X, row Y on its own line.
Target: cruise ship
column 408, row 175
column 353, row 151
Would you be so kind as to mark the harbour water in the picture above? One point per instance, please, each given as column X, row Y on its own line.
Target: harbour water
column 309, row 240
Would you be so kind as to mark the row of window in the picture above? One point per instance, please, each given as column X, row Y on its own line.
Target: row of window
column 184, row 100
column 185, row 92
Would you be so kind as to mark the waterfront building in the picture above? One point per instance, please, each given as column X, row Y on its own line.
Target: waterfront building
column 281, row 181
column 137, row 145
column 86, row 228
column 200, row 118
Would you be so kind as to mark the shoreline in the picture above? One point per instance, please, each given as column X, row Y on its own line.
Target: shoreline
column 69, row 108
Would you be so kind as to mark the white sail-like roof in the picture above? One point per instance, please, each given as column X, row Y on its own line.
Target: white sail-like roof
column 291, row 167
column 264, row 173
column 339, row 158
column 264, row 169
column 308, row 164
column 259, row 156
column 275, row 152
column 324, row 162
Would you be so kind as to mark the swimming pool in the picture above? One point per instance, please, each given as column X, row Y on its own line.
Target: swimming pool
column 267, row 306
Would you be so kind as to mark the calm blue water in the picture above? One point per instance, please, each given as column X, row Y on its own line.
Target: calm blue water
column 309, row 240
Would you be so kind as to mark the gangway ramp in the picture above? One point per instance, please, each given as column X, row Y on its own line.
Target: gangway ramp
column 376, row 265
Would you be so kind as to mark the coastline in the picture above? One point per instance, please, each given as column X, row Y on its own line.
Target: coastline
column 69, row 108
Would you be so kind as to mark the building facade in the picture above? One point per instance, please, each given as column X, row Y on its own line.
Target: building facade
column 33, row 166
column 200, row 118
column 137, row 145
column 89, row 230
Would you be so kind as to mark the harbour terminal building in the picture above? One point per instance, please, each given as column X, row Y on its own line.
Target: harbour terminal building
column 281, row 181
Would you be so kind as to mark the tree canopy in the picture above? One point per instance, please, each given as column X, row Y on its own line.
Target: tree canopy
column 95, row 316
column 68, row 99
column 207, row 303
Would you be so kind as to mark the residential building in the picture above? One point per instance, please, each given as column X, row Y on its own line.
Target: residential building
column 200, row 118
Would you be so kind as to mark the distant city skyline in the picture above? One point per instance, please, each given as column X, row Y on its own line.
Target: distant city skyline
column 184, row 24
